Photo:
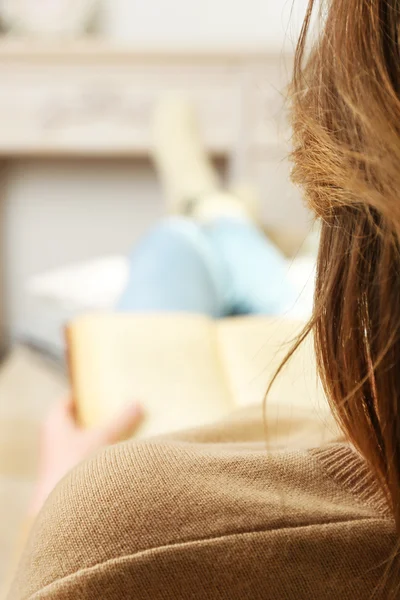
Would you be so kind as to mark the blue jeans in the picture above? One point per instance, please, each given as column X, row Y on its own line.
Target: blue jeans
column 224, row 268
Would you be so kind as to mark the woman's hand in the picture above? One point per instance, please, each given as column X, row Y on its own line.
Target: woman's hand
column 64, row 444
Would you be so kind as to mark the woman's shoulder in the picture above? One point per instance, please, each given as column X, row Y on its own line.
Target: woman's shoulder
column 134, row 498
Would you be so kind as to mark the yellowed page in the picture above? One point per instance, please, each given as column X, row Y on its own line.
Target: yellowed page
column 251, row 349
column 168, row 362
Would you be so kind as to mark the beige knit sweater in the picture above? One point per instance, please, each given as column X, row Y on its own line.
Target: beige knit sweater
column 214, row 514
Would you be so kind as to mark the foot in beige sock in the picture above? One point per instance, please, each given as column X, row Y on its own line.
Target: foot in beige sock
column 184, row 168
column 190, row 181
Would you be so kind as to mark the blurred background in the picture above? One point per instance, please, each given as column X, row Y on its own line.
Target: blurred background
column 79, row 80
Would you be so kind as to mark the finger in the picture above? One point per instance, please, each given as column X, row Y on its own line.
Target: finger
column 71, row 408
column 69, row 405
column 122, row 425
column 67, row 410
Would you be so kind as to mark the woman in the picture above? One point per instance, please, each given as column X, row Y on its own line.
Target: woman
column 213, row 513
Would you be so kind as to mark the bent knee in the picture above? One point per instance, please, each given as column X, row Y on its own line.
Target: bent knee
column 177, row 226
column 179, row 233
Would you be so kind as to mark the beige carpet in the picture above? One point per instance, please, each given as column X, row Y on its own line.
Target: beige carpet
column 28, row 386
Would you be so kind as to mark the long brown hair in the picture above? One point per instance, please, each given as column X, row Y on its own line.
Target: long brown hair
column 345, row 111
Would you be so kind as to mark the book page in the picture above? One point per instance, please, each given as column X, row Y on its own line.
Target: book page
column 170, row 363
column 252, row 349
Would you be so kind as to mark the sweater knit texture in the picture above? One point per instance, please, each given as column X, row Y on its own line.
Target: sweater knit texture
column 231, row 511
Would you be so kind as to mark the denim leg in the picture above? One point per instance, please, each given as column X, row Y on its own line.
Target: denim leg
column 174, row 268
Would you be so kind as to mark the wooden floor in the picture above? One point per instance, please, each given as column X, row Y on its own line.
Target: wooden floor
column 28, row 386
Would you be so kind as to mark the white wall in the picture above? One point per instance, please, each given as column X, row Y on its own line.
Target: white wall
column 218, row 23
column 58, row 212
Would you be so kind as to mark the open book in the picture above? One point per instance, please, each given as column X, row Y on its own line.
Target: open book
column 186, row 370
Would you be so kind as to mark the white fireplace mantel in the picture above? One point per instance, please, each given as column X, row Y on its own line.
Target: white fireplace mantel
column 92, row 99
